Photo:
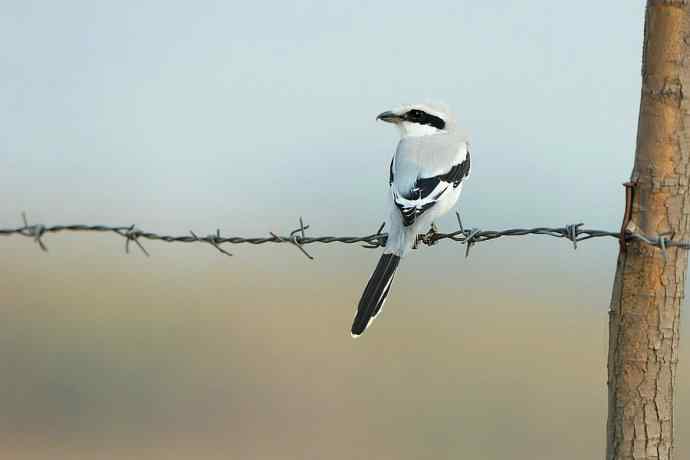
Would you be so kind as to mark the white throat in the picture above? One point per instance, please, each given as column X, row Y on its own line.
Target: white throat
column 408, row 129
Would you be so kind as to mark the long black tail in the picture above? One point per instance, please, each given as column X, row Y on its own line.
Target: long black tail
column 375, row 293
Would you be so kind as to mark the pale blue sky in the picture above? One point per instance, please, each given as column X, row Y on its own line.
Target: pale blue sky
column 200, row 112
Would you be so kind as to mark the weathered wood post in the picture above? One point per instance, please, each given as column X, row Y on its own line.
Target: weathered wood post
column 649, row 286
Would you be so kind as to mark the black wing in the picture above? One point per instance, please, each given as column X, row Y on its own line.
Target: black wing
column 427, row 190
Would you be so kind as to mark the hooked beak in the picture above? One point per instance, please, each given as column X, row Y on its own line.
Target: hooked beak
column 389, row 117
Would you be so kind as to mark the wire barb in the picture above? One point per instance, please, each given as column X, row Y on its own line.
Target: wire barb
column 213, row 240
column 663, row 240
column 462, row 229
column 571, row 233
column 298, row 237
column 470, row 240
column 34, row 231
column 378, row 242
column 295, row 239
column 662, row 245
column 133, row 234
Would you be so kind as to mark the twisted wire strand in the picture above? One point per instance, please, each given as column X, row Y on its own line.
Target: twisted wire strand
column 573, row 233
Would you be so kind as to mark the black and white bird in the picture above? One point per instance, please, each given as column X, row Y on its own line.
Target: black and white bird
column 427, row 173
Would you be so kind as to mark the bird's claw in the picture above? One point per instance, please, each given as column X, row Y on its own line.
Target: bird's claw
column 428, row 238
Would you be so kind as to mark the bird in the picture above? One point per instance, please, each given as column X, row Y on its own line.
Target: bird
column 426, row 175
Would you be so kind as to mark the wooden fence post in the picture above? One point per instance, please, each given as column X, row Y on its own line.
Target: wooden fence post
column 649, row 285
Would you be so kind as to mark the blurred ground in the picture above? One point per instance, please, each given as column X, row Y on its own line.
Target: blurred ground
column 193, row 354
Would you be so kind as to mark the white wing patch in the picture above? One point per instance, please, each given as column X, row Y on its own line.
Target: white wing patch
column 426, row 191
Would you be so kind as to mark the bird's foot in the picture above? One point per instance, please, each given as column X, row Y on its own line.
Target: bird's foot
column 428, row 238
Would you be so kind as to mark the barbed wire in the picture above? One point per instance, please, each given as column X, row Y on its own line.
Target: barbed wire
column 298, row 237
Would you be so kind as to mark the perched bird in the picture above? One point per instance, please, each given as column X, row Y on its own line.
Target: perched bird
column 426, row 176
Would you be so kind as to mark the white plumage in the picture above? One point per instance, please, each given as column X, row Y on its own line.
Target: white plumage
column 426, row 177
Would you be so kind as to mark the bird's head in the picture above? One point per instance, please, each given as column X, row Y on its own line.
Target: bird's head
column 415, row 120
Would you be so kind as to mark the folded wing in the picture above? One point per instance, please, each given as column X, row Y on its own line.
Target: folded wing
column 425, row 192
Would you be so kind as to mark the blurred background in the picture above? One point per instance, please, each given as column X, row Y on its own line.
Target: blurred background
column 244, row 116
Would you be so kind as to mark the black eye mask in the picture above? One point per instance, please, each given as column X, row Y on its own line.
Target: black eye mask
column 423, row 118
